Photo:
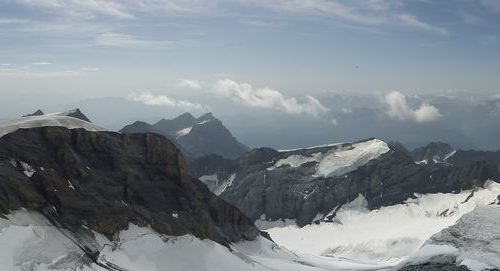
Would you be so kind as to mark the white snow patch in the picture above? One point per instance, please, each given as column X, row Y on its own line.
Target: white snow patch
column 29, row 242
column 9, row 126
column 183, row 132
column 225, row 184
column 28, row 169
column 340, row 160
column 449, row 155
column 474, row 240
column 385, row 236
column 205, row 121
column 70, row 185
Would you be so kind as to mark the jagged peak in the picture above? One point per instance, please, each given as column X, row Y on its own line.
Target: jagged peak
column 39, row 112
column 204, row 117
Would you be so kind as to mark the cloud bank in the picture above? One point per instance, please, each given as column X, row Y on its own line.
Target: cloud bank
column 398, row 108
column 246, row 94
column 162, row 100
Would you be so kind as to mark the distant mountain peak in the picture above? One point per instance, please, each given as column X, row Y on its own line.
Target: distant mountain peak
column 39, row 112
column 76, row 113
column 195, row 136
column 185, row 117
column 434, row 152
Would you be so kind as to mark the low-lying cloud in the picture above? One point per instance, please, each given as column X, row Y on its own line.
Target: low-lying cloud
column 189, row 83
column 246, row 94
column 162, row 100
column 398, row 108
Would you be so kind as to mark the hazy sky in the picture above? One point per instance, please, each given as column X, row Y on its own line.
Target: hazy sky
column 264, row 53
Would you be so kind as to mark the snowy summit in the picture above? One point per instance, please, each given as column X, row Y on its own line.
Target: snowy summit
column 53, row 119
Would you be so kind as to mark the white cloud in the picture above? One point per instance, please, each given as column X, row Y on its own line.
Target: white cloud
column 128, row 41
column 22, row 73
column 188, row 83
column 162, row 100
column 9, row 21
column 89, row 69
column 398, row 108
column 371, row 13
column 41, row 63
column 246, row 94
column 82, row 8
column 415, row 22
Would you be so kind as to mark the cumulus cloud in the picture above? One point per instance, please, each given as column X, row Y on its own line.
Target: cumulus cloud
column 398, row 108
column 188, row 83
column 162, row 100
column 246, row 94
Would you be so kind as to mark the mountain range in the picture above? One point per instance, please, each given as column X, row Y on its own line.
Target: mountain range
column 77, row 196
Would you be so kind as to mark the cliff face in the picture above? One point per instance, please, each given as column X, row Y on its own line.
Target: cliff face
column 105, row 180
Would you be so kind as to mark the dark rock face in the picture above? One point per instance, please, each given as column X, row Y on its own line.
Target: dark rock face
column 297, row 193
column 468, row 157
column 106, row 180
column 196, row 137
column 173, row 125
column 77, row 114
column 39, row 112
column 438, row 152
column 435, row 267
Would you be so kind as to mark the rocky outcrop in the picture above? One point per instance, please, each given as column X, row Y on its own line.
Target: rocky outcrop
column 105, row 180
column 289, row 184
column 196, row 137
column 473, row 242
column 435, row 152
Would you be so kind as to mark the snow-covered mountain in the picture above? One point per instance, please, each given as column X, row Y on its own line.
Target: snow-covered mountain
column 75, row 113
column 300, row 184
column 75, row 196
column 394, row 237
column 71, row 193
column 194, row 136
column 55, row 119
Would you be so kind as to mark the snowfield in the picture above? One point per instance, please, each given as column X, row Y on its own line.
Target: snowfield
column 474, row 241
column 339, row 160
column 359, row 239
column 383, row 237
column 9, row 126
column 29, row 242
